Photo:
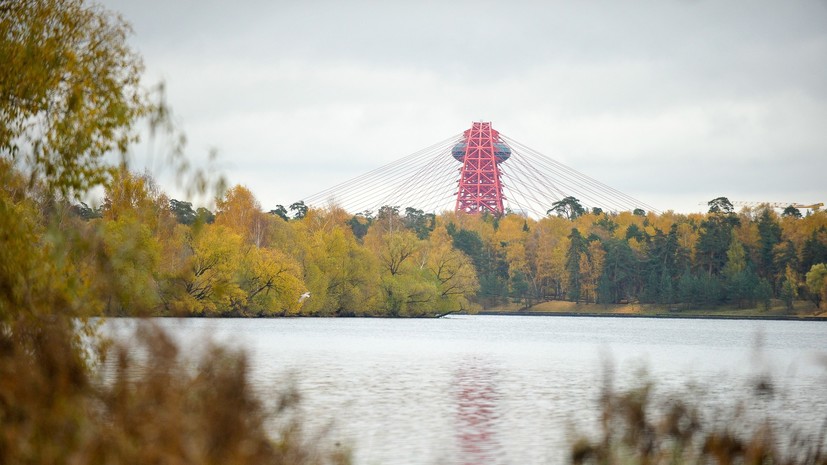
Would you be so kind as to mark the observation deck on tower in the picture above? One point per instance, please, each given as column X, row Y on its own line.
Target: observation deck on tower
column 495, row 175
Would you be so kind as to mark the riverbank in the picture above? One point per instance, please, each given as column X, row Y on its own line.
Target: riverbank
column 802, row 310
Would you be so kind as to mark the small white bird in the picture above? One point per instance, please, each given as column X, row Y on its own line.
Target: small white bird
column 304, row 297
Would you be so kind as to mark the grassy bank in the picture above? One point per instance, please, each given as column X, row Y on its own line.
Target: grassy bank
column 801, row 309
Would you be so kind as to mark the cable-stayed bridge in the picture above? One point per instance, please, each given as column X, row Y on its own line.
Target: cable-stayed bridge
column 479, row 170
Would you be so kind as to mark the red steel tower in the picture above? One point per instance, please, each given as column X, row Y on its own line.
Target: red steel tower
column 481, row 151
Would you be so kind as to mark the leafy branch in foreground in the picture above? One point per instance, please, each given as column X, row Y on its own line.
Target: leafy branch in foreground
column 69, row 93
column 71, row 90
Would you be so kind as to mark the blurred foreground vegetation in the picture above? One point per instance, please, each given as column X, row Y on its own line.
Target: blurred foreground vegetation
column 69, row 94
column 638, row 426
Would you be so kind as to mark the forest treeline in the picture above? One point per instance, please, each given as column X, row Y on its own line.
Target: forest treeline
column 241, row 260
column 72, row 98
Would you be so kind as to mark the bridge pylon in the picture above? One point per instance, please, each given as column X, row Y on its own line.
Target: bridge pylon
column 479, row 188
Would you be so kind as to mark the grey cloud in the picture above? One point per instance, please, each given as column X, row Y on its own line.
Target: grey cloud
column 644, row 96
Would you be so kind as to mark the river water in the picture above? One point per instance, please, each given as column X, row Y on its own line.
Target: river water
column 508, row 389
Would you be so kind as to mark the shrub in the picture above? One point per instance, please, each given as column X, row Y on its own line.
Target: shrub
column 635, row 429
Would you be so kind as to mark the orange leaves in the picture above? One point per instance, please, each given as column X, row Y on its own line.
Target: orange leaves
column 129, row 194
column 239, row 210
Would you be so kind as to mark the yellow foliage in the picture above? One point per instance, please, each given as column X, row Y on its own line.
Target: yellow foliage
column 134, row 196
column 747, row 234
column 325, row 219
column 70, row 91
column 206, row 282
column 341, row 275
column 239, row 210
column 395, row 250
column 482, row 225
column 798, row 230
column 591, row 267
column 687, row 236
column 511, row 236
column 453, row 270
column 133, row 255
column 816, row 280
column 271, row 283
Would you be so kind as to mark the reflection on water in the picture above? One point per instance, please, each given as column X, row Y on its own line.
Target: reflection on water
column 477, row 413
column 502, row 390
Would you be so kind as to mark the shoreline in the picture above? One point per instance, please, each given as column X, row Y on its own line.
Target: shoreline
column 659, row 316
column 508, row 313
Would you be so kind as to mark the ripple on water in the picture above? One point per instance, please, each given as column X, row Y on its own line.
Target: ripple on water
column 504, row 390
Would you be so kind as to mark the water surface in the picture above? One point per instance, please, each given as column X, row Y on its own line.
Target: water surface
column 506, row 389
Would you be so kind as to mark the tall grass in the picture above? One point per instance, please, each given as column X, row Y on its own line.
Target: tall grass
column 637, row 427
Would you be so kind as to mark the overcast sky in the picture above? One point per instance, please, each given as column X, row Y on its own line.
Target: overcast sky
column 671, row 102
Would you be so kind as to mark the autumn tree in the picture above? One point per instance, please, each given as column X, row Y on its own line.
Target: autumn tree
column 789, row 287
column 511, row 236
column 341, row 275
column 395, row 250
column 418, row 277
column 816, row 280
column 133, row 256
column 387, row 219
column 70, row 94
column 548, row 248
column 205, row 283
column 239, row 210
column 453, row 271
column 270, row 283
column 785, row 255
column 133, row 195
column 590, row 271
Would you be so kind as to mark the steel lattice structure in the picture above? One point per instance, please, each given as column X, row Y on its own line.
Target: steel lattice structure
column 431, row 180
column 479, row 188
